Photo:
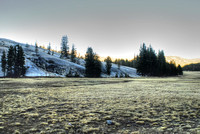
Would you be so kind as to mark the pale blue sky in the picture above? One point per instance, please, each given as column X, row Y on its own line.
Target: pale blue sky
column 112, row 27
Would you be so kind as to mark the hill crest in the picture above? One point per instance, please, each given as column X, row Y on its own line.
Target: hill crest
column 43, row 64
column 182, row 61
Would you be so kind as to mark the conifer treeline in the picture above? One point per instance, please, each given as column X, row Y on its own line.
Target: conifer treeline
column 148, row 63
column 13, row 64
column 126, row 62
column 192, row 67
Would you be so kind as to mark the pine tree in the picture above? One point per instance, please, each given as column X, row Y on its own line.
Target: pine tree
column 172, row 70
column 64, row 47
column 108, row 65
column 19, row 61
column 73, row 54
column 180, row 70
column 161, row 69
column 49, row 49
column 89, row 62
column 97, row 67
column 116, row 75
column 3, row 63
column 10, row 61
column 151, row 62
column 22, row 69
column 36, row 48
column 16, row 61
column 118, row 64
column 93, row 64
column 142, row 61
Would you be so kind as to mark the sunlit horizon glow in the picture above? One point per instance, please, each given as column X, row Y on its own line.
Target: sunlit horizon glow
column 111, row 27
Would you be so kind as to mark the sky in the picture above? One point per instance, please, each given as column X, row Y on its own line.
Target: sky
column 113, row 28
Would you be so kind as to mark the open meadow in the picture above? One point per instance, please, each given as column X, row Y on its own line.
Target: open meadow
column 100, row 105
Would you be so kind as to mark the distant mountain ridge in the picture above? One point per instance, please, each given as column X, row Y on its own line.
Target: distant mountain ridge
column 182, row 61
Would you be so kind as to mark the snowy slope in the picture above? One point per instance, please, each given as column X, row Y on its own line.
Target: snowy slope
column 131, row 72
column 43, row 64
column 33, row 70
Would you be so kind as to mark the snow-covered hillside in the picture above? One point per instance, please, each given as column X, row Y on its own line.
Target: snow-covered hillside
column 43, row 64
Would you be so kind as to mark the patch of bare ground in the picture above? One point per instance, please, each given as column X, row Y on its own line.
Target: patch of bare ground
column 83, row 105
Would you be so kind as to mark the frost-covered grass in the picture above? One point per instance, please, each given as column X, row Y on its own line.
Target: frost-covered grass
column 83, row 105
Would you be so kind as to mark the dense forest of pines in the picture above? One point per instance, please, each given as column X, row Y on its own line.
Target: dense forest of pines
column 148, row 63
column 192, row 67
column 13, row 64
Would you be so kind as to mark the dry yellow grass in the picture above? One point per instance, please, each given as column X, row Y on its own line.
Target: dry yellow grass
column 82, row 105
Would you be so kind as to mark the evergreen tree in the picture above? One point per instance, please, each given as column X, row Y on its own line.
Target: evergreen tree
column 180, row 70
column 171, row 69
column 93, row 64
column 3, row 63
column 116, row 75
column 108, row 65
column 73, row 54
column 49, row 49
column 36, row 48
column 151, row 61
column 64, row 47
column 97, row 67
column 118, row 64
column 16, row 61
column 142, row 61
column 161, row 69
column 19, row 61
column 89, row 62
column 10, row 61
